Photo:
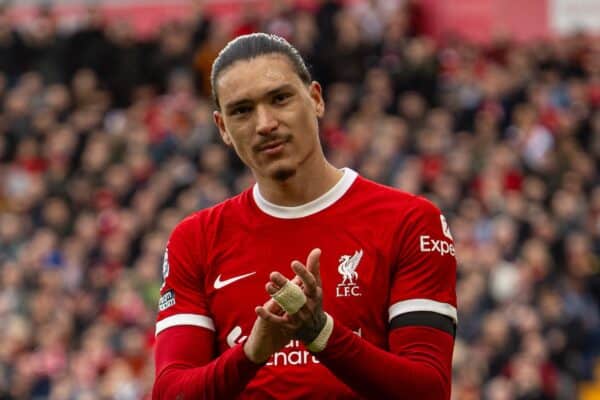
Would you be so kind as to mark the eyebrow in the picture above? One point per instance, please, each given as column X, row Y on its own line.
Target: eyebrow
column 280, row 88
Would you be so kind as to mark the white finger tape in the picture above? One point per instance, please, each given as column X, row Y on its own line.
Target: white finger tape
column 290, row 297
column 320, row 341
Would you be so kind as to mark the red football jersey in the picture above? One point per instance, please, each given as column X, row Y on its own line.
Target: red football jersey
column 384, row 253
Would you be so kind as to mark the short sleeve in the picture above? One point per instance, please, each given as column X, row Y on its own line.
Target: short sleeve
column 182, row 298
column 424, row 278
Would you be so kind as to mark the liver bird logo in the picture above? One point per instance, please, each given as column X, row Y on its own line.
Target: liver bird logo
column 347, row 268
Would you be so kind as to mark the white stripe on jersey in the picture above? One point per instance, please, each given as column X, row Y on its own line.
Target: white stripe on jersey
column 406, row 306
column 185, row 319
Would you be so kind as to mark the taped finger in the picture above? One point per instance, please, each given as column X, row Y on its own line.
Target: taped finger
column 290, row 297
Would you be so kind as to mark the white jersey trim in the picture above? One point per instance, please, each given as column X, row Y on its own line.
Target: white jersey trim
column 185, row 319
column 312, row 207
column 406, row 306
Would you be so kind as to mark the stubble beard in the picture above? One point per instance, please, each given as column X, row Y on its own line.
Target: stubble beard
column 283, row 174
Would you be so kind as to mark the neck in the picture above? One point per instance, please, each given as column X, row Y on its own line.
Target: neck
column 304, row 186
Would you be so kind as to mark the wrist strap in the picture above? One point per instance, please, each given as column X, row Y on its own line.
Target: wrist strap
column 320, row 341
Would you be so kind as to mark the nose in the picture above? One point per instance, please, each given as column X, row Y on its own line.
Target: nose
column 265, row 120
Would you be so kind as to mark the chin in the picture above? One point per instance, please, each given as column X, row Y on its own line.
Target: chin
column 280, row 170
column 283, row 174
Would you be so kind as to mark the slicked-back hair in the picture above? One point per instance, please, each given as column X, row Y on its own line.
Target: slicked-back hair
column 247, row 47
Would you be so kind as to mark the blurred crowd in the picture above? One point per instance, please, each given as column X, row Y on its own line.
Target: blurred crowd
column 107, row 141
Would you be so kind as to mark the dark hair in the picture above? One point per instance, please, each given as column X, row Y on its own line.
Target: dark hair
column 250, row 46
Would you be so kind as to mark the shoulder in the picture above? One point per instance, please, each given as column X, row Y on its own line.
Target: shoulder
column 189, row 243
column 404, row 213
column 395, row 198
column 424, row 207
column 199, row 219
column 200, row 223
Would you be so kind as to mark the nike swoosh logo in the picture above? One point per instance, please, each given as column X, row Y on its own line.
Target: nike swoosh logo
column 221, row 284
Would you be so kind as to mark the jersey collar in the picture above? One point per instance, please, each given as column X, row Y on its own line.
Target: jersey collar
column 312, row 207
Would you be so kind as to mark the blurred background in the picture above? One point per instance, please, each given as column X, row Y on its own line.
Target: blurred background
column 489, row 108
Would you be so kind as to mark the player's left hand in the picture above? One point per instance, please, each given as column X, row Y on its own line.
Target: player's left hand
column 310, row 319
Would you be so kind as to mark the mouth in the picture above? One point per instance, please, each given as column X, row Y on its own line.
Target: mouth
column 273, row 147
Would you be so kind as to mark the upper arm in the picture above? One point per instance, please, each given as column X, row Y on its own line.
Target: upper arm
column 182, row 298
column 186, row 362
column 423, row 289
column 422, row 308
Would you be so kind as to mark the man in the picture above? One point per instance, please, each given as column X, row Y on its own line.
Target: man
column 376, row 295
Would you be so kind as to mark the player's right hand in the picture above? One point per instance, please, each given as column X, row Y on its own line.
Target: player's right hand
column 266, row 338
column 307, row 323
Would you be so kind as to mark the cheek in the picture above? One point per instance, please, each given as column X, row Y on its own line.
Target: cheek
column 242, row 147
column 309, row 128
column 237, row 137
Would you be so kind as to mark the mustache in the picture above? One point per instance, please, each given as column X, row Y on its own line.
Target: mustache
column 270, row 141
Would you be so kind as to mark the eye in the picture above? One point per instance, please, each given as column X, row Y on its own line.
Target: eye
column 241, row 110
column 280, row 98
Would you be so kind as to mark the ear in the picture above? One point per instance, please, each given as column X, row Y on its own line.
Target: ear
column 316, row 94
column 218, row 119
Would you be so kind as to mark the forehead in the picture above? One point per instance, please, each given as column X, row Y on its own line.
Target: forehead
column 256, row 76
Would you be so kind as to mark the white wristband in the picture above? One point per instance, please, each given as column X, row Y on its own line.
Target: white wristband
column 290, row 297
column 320, row 341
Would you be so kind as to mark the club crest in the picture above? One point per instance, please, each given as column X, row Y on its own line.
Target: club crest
column 347, row 268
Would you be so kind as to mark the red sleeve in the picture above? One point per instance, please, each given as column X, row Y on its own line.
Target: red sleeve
column 418, row 365
column 424, row 274
column 185, row 368
column 182, row 298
